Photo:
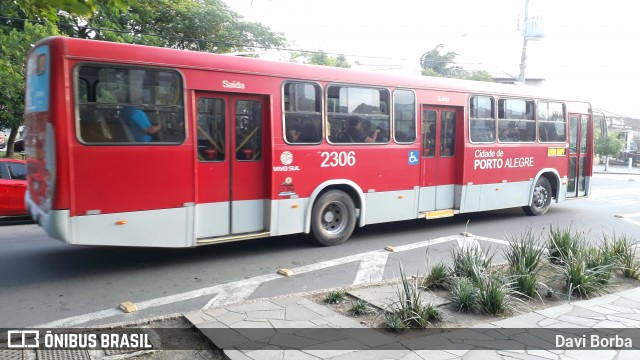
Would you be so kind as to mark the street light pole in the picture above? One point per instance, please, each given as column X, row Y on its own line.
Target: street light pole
column 523, row 60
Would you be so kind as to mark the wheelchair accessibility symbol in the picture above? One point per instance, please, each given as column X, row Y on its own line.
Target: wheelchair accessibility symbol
column 413, row 157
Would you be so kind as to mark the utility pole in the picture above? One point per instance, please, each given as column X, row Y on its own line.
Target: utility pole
column 523, row 59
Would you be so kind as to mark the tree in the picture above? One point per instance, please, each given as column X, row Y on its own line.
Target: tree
column 434, row 63
column 321, row 58
column 608, row 146
column 201, row 25
column 14, row 46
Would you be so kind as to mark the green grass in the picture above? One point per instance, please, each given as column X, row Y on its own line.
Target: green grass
column 525, row 260
column 463, row 295
column 495, row 296
column 471, row 262
column 439, row 277
column 335, row 297
column 361, row 307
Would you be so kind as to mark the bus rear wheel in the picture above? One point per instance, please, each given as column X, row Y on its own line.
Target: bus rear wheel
column 541, row 198
column 333, row 218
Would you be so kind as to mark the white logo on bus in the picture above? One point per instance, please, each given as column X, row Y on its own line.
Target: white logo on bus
column 232, row 84
column 286, row 158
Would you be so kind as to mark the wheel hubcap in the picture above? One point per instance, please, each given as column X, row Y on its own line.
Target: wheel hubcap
column 540, row 197
column 333, row 221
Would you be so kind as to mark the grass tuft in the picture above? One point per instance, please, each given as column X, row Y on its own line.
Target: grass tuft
column 463, row 295
column 335, row 297
column 438, row 278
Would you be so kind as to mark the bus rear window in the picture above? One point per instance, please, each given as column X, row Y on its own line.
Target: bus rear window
column 129, row 105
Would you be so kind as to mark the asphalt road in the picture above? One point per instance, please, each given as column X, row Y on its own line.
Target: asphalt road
column 45, row 282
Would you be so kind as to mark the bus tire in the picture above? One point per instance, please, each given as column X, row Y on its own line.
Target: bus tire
column 541, row 198
column 333, row 218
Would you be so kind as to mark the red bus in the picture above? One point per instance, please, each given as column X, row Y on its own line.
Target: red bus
column 130, row 145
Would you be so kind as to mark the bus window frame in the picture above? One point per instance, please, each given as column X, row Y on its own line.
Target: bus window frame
column 565, row 117
column 392, row 117
column 93, row 96
column 494, row 103
column 284, row 112
column 534, row 120
column 326, row 110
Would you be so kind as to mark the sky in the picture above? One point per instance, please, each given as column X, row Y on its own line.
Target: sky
column 590, row 48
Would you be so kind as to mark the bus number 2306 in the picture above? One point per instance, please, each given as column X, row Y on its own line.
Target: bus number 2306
column 338, row 158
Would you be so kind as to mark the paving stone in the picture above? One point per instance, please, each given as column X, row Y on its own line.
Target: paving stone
column 591, row 355
column 199, row 317
column 231, row 318
column 602, row 310
column 236, row 355
column 607, row 324
column 547, row 322
column 319, row 309
column 434, row 355
column 300, row 312
column 343, row 322
column 291, row 324
column 292, row 341
column 579, row 321
column 554, row 312
column 624, row 302
column 628, row 355
column 327, row 354
column 586, row 313
column 600, row 300
column 544, row 354
column 266, row 314
column 256, row 306
column 482, row 355
column 617, row 309
column 374, row 355
column 529, row 320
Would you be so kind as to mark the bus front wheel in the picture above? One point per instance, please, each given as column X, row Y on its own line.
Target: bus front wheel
column 333, row 218
column 541, row 199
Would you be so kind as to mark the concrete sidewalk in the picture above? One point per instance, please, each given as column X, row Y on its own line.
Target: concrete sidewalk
column 616, row 169
column 262, row 329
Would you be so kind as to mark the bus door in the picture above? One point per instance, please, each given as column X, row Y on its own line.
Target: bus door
column 230, row 193
column 438, row 164
column 578, row 143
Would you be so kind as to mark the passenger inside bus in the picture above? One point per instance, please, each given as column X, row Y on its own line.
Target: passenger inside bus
column 294, row 132
column 357, row 133
column 511, row 133
column 137, row 121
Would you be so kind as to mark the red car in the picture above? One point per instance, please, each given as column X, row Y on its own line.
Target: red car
column 13, row 184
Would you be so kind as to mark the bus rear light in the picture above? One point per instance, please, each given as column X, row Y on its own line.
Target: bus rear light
column 121, row 222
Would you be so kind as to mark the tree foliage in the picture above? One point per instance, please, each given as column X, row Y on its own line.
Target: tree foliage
column 435, row 63
column 14, row 47
column 321, row 58
column 201, row 25
column 608, row 146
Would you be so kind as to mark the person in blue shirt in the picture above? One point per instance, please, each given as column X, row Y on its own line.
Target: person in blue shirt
column 139, row 124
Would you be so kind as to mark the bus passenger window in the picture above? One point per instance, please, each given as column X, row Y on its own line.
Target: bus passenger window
column 482, row 123
column 516, row 120
column 302, row 113
column 129, row 105
column 404, row 125
column 552, row 123
column 357, row 115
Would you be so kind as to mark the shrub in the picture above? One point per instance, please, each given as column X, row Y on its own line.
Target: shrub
column 560, row 242
column 495, row 296
column 623, row 252
column 439, row 277
column 361, row 307
column 335, row 296
column 525, row 259
column 463, row 295
column 410, row 308
column 471, row 262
